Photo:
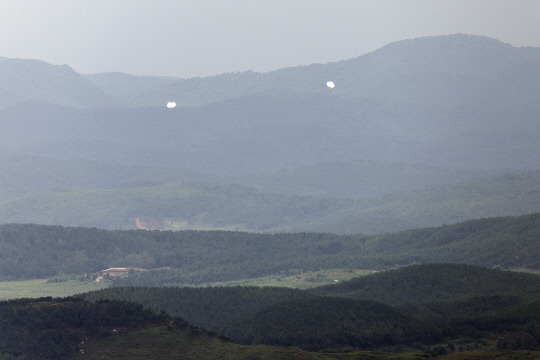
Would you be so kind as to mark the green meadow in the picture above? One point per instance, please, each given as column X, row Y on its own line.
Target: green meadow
column 300, row 280
column 45, row 287
column 53, row 287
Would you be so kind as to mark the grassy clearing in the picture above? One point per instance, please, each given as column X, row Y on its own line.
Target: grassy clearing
column 300, row 280
column 42, row 287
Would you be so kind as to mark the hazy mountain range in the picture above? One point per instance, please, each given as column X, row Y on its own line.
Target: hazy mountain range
column 415, row 113
column 429, row 132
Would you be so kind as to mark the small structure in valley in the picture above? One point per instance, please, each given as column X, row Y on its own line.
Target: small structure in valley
column 112, row 273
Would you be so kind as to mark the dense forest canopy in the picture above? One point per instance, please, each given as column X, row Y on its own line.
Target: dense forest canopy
column 438, row 303
column 433, row 282
column 188, row 257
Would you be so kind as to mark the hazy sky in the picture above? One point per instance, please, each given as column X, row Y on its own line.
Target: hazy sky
column 200, row 38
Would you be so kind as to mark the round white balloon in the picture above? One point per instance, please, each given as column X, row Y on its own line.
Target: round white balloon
column 330, row 84
column 171, row 105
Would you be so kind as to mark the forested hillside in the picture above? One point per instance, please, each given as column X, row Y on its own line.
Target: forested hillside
column 509, row 194
column 435, row 282
column 446, row 303
column 358, row 179
column 23, row 175
column 170, row 206
column 194, row 257
column 191, row 205
column 20, row 174
column 68, row 328
column 214, row 307
column 209, row 307
column 49, row 328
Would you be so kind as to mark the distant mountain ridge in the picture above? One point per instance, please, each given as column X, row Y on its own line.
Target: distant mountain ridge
column 23, row 79
column 120, row 85
column 271, row 131
column 457, row 101
column 421, row 70
column 449, row 68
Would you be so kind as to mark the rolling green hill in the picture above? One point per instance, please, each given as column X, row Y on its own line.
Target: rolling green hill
column 213, row 206
column 320, row 323
column 20, row 174
column 197, row 206
column 510, row 194
column 195, row 257
column 428, row 283
column 162, row 343
column 23, row 175
column 451, row 303
column 430, row 288
column 330, row 322
column 47, row 328
column 274, row 316
column 209, row 307
column 69, row 328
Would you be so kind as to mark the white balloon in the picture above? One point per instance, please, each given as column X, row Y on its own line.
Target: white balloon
column 330, row 84
column 171, row 105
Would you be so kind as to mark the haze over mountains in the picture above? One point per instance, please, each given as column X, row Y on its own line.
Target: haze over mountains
column 415, row 113
column 424, row 157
